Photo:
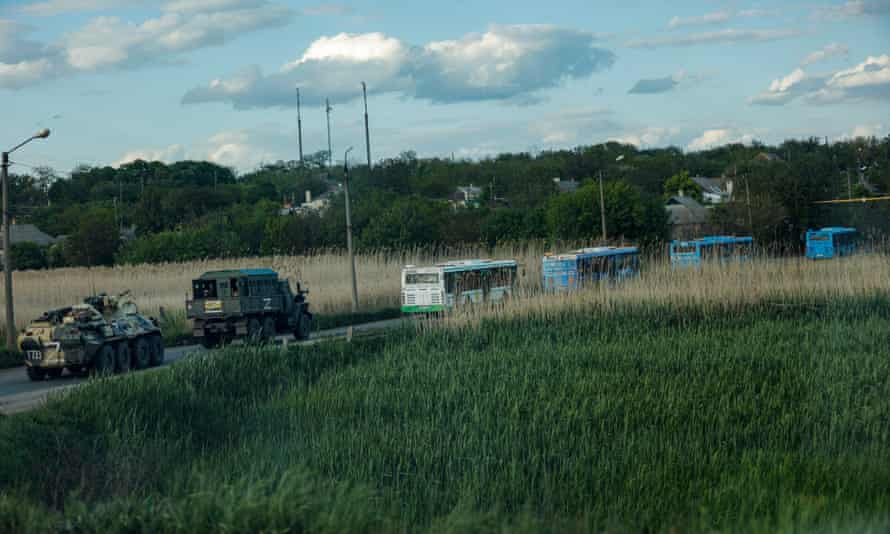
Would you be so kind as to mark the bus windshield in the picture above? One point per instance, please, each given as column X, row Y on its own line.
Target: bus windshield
column 421, row 278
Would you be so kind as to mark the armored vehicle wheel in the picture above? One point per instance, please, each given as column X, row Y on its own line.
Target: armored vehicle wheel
column 268, row 329
column 36, row 374
column 304, row 327
column 103, row 362
column 156, row 344
column 254, row 330
column 122, row 361
column 141, row 354
column 210, row 341
column 55, row 372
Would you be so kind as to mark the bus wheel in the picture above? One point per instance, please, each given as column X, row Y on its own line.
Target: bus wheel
column 210, row 341
column 54, row 373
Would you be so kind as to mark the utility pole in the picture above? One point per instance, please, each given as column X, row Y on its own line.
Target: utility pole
column 602, row 208
column 299, row 127
column 849, row 186
column 367, row 130
column 7, row 259
column 748, row 202
column 349, row 231
column 7, row 242
column 328, row 109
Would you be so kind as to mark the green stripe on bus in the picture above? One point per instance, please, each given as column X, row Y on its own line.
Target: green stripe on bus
column 422, row 309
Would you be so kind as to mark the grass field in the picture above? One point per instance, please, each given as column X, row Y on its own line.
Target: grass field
column 748, row 398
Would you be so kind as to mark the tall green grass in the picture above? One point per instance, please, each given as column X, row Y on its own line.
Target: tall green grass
column 748, row 418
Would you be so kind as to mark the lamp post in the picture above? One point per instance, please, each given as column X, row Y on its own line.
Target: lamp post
column 7, row 245
column 349, row 230
column 367, row 130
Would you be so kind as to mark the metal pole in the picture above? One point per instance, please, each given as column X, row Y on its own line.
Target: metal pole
column 602, row 208
column 7, row 258
column 328, row 109
column 349, row 231
column 367, row 130
column 299, row 127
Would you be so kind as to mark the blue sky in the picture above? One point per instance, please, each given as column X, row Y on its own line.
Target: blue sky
column 215, row 79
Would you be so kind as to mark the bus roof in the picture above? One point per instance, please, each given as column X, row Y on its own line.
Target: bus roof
column 466, row 265
column 716, row 240
column 835, row 230
column 593, row 252
column 238, row 273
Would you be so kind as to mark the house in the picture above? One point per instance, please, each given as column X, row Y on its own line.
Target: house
column 687, row 217
column 714, row 190
column 466, row 197
column 28, row 233
column 566, row 186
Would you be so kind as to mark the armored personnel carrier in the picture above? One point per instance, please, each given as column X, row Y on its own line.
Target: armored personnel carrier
column 253, row 304
column 105, row 334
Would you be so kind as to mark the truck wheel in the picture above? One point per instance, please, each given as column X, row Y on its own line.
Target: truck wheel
column 122, row 361
column 36, row 374
column 269, row 329
column 304, row 327
column 254, row 330
column 157, row 350
column 141, row 354
column 54, row 373
column 210, row 341
column 103, row 361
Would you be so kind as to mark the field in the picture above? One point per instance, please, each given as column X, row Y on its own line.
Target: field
column 745, row 398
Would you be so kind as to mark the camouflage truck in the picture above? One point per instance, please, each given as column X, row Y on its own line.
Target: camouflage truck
column 247, row 303
column 105, row 334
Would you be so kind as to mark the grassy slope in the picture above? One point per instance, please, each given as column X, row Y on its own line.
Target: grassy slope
column 752, row 419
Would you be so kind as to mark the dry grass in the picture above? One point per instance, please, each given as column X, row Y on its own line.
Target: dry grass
column 327, row 277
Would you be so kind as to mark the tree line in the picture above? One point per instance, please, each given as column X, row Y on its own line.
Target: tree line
column 193, row 210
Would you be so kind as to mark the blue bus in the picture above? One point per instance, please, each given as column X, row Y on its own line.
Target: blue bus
column 721, row 247
column 831, row 242
column 574, row 269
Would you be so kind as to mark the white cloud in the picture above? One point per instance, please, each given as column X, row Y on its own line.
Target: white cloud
column 727, row 36
column 827, row 52
column 651, row 136
column 110, row 42
column 719, row 137
column 853, row 8
column 504, row 63
column 867, row 131
column 702, row 20
column 50, row 8
column 329, row 10
column 867, row 80
column 170, row 154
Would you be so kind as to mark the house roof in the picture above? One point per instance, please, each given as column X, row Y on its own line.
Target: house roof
column 714, row 186
column 567, row 186
column 686, row 210
column 28, row 233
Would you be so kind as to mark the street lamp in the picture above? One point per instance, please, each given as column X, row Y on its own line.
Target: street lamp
column 7, row 245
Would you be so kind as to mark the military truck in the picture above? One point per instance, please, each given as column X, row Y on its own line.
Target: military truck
column 105, row 334
column 251, row 304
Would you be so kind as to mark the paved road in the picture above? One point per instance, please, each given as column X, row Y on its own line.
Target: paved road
column 19, row 394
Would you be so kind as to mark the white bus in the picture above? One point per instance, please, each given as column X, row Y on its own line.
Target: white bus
column 454, row 283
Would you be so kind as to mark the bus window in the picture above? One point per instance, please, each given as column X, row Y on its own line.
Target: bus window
column 233, row 287
column 204, row 289
column 421, row 278
column 449, row 283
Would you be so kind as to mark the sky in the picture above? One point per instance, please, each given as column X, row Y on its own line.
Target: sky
column 167, row 80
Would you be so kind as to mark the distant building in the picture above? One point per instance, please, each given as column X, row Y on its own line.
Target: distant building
column 466, row 197
column 767, row 157
column 309, row 206
column 687, row 217
column 714, row 190
column 566, row 186
column 28, row 233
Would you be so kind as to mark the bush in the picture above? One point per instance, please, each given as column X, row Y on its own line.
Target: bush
column 28, row 257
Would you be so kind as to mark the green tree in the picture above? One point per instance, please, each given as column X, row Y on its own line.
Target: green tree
column 408, row 222
column 28, row 256
column 682, row 182
column 95, row 239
